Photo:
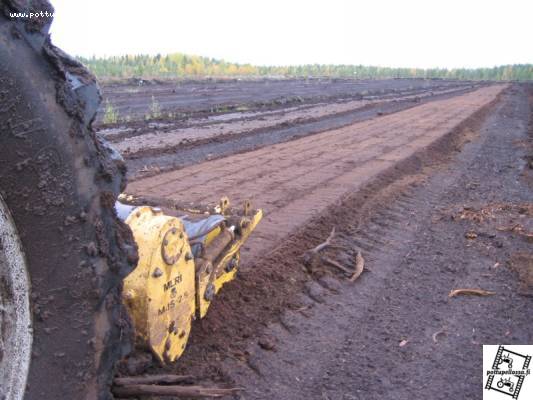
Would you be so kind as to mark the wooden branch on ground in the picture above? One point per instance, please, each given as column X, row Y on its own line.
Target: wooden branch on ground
column 325, row 244
column 336, row 264
column 175, row 391
column 474, row 292
column 359, row 266
column 311, row 257
column 353, row 273
column 152, row 379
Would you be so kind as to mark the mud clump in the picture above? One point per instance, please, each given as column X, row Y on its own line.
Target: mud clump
column 522, row 264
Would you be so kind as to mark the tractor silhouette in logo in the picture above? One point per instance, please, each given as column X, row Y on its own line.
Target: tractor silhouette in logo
column 506, row 359
column 507, row 383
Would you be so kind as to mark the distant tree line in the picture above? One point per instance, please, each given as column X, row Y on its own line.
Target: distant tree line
column 181, row 65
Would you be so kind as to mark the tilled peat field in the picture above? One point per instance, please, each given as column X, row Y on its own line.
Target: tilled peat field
column 133, row 98
column 435, row 195
column 196, row 124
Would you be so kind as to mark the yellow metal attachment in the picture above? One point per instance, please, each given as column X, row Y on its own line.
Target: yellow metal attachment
column 160, row 292
column 220, row 259
column 170, row 285
column 223, row 205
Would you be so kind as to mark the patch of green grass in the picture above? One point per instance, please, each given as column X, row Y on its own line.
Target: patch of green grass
column 155, row 110
column 110, row 114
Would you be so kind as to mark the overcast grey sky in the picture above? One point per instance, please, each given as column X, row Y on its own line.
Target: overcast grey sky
column 409, row 33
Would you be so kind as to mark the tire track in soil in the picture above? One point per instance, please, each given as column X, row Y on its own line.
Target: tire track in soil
column 295, row 181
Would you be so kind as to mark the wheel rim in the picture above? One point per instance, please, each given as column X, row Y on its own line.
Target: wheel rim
column 15, row 316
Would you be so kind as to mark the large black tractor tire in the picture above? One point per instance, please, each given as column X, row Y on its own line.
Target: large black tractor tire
column 60, row 185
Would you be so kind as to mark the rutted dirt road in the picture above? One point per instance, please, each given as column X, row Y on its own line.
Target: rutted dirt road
column 295, row 181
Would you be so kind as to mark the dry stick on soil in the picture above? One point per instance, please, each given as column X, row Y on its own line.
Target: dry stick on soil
column 311, row 257
column 474, row 292
column 152, row 379
column 175, row 391
column 354, row 273
column 325, row 244
column 509, row 228
column 359, row 266
column 334, row 263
